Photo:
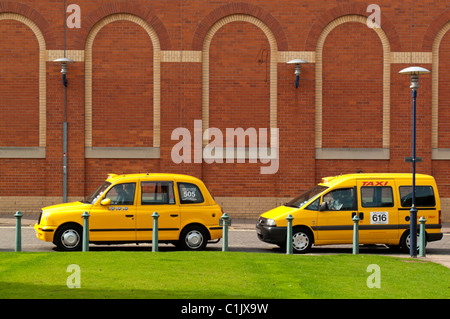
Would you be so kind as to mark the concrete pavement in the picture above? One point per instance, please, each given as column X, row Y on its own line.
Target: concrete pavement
column 242, row 238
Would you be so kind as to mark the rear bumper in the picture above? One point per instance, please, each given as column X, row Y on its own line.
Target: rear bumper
column 435, row 236
column 215, row 232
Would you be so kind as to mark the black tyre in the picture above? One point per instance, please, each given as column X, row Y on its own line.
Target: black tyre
column 405, row 242
column 193, row 237
column 302, row 240
column 69, row 237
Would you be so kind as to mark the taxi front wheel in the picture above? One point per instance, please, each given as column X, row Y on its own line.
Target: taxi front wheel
column 302, row 240
column 68, row 237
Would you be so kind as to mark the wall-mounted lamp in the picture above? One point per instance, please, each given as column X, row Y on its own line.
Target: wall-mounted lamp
column 63, row 62
column 298, row 63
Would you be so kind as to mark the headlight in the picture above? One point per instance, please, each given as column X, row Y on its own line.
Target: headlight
column 270, row 222
column 45, row 217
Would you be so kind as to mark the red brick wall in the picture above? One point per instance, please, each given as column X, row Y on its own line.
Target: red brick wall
column 19, row 85
column 444, row 93
column 122, row 86
column 239, row 82
column 239, row 91
column 352, row 88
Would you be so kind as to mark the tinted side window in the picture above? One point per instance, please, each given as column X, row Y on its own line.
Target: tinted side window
column 424, row 196
column 122, row 194
column 340, row 199
column 377, row 196
column 157, row 193
column 189, row 193
column 314, row 205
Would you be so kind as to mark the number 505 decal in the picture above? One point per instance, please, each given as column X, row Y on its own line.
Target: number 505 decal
column 379, row 217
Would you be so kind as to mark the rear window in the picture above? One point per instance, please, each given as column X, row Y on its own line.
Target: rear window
column 424, row 196
column 377, row 196
column 189, row 193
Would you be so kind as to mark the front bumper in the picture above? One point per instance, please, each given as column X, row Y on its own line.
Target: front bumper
column 271, row 234
column 45, row 233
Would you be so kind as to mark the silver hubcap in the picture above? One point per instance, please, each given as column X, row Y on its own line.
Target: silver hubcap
column 300, row 241
column 408, row 241
column 194, row 239
column 70, row 238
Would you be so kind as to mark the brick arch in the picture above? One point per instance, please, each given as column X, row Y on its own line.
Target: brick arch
column 239, row 8
column 438, row 36
column 434, row 29
column 156, row 73
column 350, row 9
column 125, row 7
column 205, row 65
column 42, row 69
column 32, row 15
column 319, row 76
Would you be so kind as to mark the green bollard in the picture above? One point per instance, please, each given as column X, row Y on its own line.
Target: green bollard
column 225, row 221
column 155, row 216
column 422, row 222
column 289, row 219
column 18, row 216
column 355, row 234
column 85, row 216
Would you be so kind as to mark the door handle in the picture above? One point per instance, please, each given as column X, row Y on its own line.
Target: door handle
column 173, row 215
column 360, row 215
column 129, row 216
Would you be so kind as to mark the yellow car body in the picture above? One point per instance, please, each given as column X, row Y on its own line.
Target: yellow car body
column 323, row 215
column 121, row 212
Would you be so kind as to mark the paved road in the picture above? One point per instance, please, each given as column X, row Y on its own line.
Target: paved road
column 241, row 238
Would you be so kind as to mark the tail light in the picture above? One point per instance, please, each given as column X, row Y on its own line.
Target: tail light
column 440, row 221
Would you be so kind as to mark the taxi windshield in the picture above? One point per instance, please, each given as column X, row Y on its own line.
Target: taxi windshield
column 304, row 198
column 91, row 199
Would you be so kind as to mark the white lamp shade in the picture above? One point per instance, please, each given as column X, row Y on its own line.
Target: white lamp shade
column 297, row 61
column 414, row 70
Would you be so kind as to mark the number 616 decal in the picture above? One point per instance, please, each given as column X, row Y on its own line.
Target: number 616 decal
column 379, row 217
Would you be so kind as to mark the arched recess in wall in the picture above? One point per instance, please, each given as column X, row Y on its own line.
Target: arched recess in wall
column 438, row 153
column 129, row 152
column 206, row 65
column 370, row 153
column 32, row 152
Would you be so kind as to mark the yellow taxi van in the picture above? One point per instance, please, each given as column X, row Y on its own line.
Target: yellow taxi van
column 121, row 212
column 323, row 215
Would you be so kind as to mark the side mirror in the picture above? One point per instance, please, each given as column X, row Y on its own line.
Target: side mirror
column 106, row 202
column 323, row 207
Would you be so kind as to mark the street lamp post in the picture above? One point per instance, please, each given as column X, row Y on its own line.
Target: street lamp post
column 414, row 72
column 64, row 61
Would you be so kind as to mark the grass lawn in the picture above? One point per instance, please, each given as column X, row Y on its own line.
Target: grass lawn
column 217, row 275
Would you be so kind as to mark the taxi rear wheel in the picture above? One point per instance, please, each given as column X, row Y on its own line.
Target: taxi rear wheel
column 68, row 237
column 406, row 240
column 193, row 237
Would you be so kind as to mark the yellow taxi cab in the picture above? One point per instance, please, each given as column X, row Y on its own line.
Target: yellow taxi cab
column 323, row 215
column 121, row 212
